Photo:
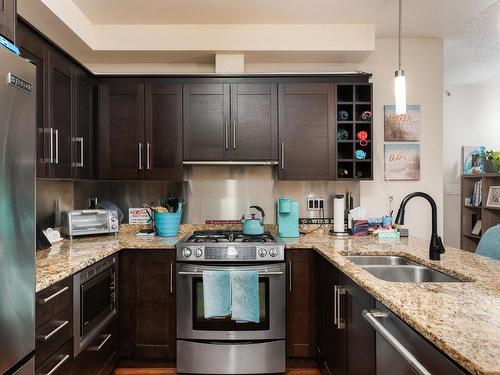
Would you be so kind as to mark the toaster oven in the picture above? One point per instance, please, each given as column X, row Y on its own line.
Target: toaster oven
column 85, row 222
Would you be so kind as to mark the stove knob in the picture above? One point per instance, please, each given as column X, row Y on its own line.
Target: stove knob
column 273, row 252
column 262, row 252
column 198, row 252
column 186, row 252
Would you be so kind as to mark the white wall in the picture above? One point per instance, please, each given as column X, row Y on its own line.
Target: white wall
column 423, row 63
column 471, row 117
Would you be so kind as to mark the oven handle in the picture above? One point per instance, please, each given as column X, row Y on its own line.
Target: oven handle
column 190, row 273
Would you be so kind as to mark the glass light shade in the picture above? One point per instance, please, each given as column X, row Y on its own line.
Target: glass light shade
column 400, row 92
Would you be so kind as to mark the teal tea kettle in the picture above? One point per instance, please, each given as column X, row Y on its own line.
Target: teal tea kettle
column 253, row 226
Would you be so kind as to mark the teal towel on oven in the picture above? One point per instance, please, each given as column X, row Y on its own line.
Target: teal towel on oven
column 216, row 294
column 245, row 296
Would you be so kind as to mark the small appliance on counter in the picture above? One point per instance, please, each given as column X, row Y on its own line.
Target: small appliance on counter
column 253, row 226
column 338, row 216
column 86, row 222
column 288, row 217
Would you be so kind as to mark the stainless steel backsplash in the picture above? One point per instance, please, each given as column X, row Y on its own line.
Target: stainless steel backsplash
column 211, row 192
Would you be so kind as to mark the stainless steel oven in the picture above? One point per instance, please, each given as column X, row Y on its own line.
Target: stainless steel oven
column 191, row 324
column 222, row 345
column 94, row 300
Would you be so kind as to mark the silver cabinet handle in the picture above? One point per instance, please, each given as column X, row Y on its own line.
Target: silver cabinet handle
column 340, row 320
column 371, row 318
column 56, row 159
column 234, row 135
column 140, row 156
column 51, row 145
column 42, row 301
column 335, row 304
column 290, row 288
column 80, row 140
column 61, row 325
column 99, row 347
column 226, row 136
column 282, row 156
column 64, row 358
column 171, row 277
column 148, row 156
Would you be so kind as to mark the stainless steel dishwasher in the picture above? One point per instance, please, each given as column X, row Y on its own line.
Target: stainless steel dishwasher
column 403, row 351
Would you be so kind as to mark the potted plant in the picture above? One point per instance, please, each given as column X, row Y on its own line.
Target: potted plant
column 488, row 161
column 496, row 161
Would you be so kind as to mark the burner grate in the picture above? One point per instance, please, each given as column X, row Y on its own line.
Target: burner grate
column 229, row 236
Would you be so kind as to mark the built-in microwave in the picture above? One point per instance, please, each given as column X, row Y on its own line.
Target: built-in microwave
column 94, row 300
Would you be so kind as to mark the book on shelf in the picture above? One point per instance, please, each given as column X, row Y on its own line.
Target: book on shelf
column 477, row 193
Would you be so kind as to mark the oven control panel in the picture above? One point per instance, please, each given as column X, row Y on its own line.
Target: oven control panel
column 197, row 253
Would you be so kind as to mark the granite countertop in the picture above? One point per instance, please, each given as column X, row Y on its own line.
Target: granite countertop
column 462, row 319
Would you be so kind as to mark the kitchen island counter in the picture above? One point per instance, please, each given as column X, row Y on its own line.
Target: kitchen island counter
column 460, row 318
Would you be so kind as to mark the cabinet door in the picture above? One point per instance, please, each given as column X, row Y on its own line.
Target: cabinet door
column 336, row 335
column 8, row 16
column 84, row 115
column 36, row 50
column 300, row 313
column 122, row 130
column 163, row 131
column 153, row 304
column 361, row 351
column 206, row 122
column 254, row 119
column 306, row 131
column 60, row 114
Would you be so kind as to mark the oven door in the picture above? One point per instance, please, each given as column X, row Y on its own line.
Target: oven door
column 97, row 301
column 191, row 324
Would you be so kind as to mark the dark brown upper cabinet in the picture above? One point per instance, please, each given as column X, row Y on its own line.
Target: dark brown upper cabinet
column 306, row 131
column 140, row 130
column 61, row 101
column 163, row 131
column 84, row 123
column 236, row 122
column 254, row 122
column 36, row 50
column 8, row 15
column 206, row 122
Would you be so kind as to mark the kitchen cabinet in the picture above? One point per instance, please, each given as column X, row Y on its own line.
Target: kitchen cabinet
column 147, row 310
column 36, row 50
column 360, row 335
column 61, row 114
column 140, row 130
column 230, row 122
column 54, row 328
column 8, row 15
column 163, row 131
column 254, row 122
column 84, row 125
column 300, row 311
column 206, row 122
column 306, row 131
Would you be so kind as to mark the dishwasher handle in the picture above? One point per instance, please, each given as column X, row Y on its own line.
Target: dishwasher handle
column 371, row 316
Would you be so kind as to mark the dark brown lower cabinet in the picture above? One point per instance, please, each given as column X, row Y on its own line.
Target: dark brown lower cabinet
column 100, row 356
column 147, row 304
column 300, row 311
column 345, row 342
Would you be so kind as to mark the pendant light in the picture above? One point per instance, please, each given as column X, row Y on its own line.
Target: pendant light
column 399, row 75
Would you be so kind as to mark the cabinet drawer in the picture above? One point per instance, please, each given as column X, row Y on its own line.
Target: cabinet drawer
column 58, row 363
column 97, row 357
column 53, row 300
column 53, row 334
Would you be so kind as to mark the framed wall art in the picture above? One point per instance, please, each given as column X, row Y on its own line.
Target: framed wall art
column 402, row 162
column 402, row 127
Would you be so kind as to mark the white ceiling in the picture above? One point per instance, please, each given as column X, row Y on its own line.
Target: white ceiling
column 472, row 53
column 422, row 18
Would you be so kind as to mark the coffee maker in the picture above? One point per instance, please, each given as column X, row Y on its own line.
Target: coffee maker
column 287, row 217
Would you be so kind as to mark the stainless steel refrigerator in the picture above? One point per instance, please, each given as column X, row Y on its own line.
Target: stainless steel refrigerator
column 17, row 214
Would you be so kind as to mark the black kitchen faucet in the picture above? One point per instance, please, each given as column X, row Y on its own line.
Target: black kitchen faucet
column 436, row 247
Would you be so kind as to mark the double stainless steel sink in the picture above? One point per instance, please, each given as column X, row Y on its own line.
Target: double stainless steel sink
column 399, row 269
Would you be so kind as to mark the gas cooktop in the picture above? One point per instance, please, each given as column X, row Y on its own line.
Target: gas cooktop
column 229, row 246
